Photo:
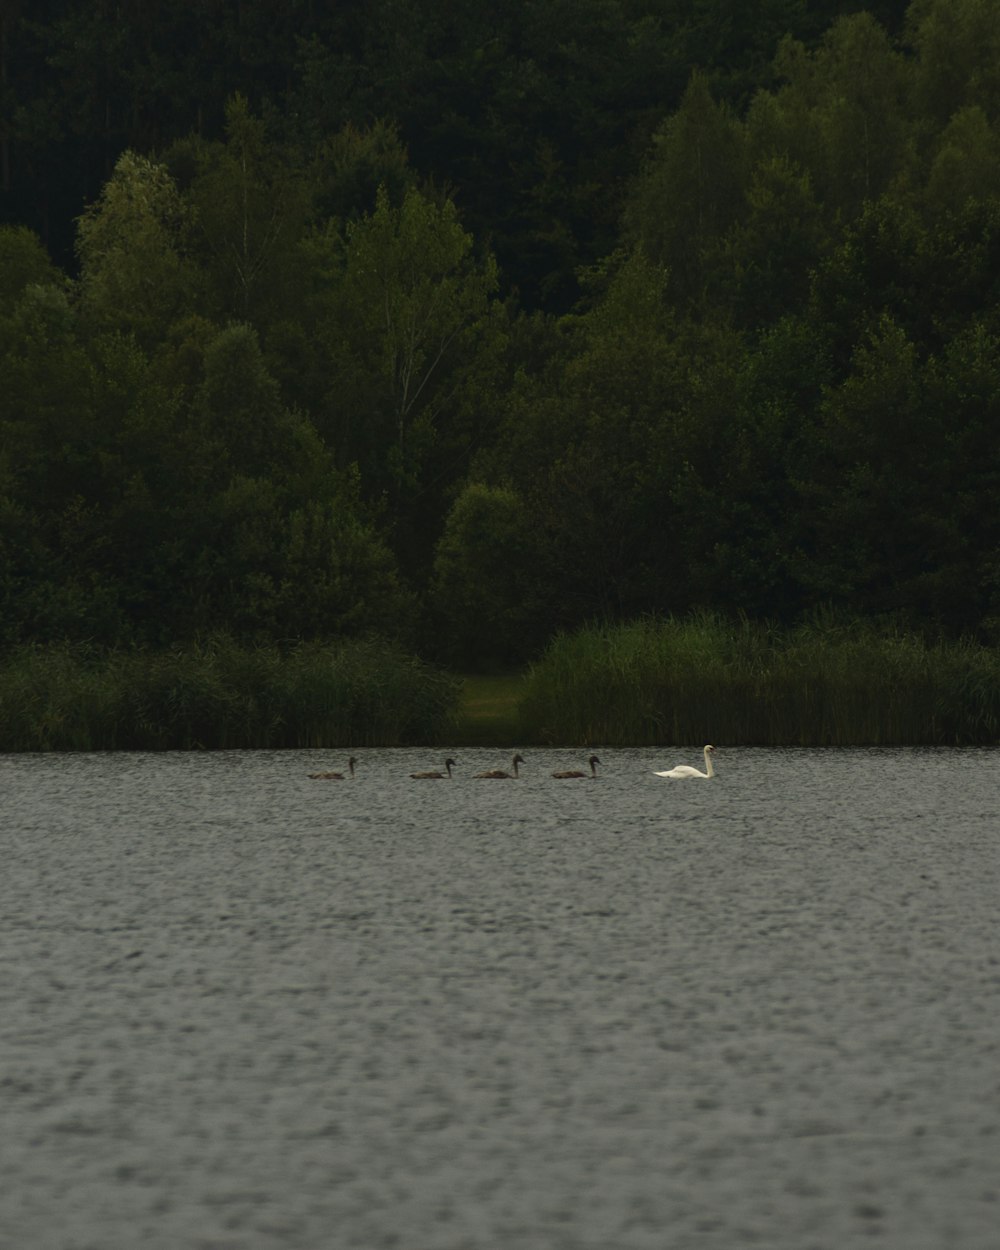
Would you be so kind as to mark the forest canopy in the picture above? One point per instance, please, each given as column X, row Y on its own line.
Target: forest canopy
column 467, row 328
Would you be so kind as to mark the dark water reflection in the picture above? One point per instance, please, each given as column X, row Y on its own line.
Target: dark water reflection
column 242, row 1009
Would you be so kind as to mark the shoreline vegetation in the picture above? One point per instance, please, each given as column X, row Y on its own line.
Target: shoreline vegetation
column 220, row 695
column 707, row 679
column 646, row 683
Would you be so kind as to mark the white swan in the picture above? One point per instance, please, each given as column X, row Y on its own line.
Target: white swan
column 685, row 770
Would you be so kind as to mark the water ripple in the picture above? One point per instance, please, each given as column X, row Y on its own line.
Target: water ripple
column 243, row 1009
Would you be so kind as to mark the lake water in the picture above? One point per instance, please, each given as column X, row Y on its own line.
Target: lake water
column 243, row 1010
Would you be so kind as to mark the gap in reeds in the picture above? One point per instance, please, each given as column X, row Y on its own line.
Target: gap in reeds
column 708, row 679
column 489, row 711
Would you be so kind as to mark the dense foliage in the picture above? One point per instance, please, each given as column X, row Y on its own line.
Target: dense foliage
column 217, row 694
column 462, row 328
column 822, row 683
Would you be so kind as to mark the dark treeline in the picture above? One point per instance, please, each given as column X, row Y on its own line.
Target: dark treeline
column 461, row 328
column 534, row 115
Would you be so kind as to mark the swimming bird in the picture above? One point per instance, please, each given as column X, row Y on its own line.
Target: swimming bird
column 499, row 774
column 434, row 776
column 334, row 776
column 593, row 761
column 685, row 770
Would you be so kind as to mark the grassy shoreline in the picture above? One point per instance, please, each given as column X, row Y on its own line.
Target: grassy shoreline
column 650, row 682
column 221, row 695
column 489, row 711
column 705, row 679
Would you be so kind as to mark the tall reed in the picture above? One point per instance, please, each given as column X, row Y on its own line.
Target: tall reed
column 220, row 694
column 705, row 679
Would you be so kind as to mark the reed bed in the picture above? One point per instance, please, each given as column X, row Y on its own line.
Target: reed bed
column 704, row 679
column 221, row 694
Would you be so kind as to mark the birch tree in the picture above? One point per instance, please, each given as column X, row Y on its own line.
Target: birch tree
column 413, row 305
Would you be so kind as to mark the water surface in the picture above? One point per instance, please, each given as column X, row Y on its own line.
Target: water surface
column 243, row 1010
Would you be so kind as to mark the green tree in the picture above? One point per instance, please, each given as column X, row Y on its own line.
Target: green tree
column 239, row 407
column 764, row 263
column 840, row 115
column 251, row 203
column 483, row 602
column 59, row 472
column 593, row 442
column 878, row 492
column 734, row 540
column 49, row 386
column 339, row 577
column 407, row 320
column 962, row 392
column 874, row 271
column 691, row 191
column 24, row 262
column 274, row 540
column 965, row 164
column 960, row 269
column 351, row 165
column 135, row 273
column 958, row 57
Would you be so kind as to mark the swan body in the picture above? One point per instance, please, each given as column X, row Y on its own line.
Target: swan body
column 334, row 776
column 435, row 776
column 572, row 772
column 685, row 770
column 498, row 774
